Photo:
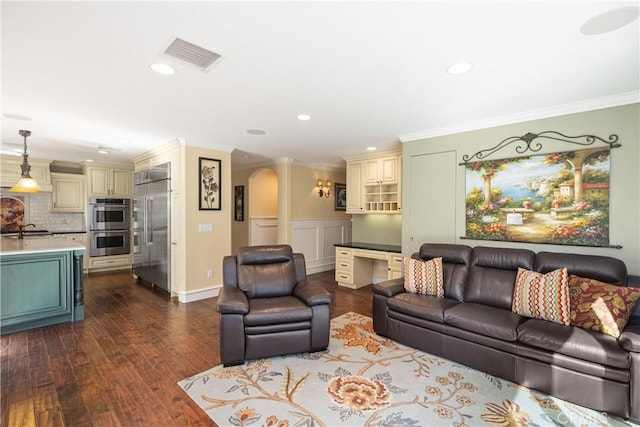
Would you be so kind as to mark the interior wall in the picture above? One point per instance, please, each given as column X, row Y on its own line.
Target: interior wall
column 624, row 207
column 205, row 250
column 297, row 198
column 307, row 203
column 384, row 229
column 262, row 194
column 240, row 229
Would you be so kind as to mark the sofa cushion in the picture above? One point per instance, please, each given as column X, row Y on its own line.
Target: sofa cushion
column 455, row 266
column 423, row 277
column 265, row 311
column 423, row 306
column 599, row 306
column 493, row 274
column 603, row 268
column 485, row 320
column 542, row 296
column 575, row 342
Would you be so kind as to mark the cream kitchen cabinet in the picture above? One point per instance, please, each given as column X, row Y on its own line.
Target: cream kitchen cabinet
column 374, row 183
column 111, row 262
column 68, row 192
column 354, row 187
column 10, row 171
column 108, row 181
column 381, row 171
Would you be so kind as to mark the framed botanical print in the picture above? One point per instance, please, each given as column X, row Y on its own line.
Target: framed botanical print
column 210, row 189
column 341, row 197
column 239, row 202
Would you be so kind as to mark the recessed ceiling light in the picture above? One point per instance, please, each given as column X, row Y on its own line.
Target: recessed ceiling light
column 163, row 69
column 304, row 117
column 256, row 132
column 459, row 68
column 89, row 160
column 17, row 117
column 371, row 148
column 103, row 150
column 610, row 20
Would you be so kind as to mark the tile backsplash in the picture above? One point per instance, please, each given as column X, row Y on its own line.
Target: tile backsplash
column 37, row 210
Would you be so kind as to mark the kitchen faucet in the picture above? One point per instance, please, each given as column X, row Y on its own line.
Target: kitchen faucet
column 21, row 230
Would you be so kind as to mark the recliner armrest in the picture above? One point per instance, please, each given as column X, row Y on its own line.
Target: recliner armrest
column 389, row 288
column 630, row 338
column 232, row 301
column 312, row 294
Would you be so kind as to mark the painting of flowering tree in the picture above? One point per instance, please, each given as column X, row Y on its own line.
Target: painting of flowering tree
column 558, row 198
column 209, row 192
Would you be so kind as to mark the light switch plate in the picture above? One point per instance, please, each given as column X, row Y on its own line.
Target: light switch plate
column 205, row 228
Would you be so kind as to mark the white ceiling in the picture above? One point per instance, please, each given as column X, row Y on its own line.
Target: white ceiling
column 368, row 73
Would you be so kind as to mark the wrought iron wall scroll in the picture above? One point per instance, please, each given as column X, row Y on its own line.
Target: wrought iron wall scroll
column 528, row 138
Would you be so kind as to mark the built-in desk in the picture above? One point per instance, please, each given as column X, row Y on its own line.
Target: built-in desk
column 357, row 262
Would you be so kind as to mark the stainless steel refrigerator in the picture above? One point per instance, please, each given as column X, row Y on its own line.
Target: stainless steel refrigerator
column 151, row 225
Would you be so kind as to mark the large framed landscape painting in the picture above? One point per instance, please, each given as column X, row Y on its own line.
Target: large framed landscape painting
column 558, row 198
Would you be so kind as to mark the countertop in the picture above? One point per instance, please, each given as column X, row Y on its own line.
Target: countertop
column 32, row 245
column 370, row 246
column 28, row 232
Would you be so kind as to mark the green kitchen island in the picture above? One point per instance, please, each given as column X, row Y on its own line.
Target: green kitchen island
column 41, row 282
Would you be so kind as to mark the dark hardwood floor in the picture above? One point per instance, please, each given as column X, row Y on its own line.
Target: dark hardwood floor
column 120, row 366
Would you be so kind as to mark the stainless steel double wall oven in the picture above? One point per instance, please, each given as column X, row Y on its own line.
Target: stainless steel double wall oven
column 109, row 226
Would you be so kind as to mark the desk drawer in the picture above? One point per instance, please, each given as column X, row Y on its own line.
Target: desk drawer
column 344, row 266
column 344, row 254
column 395, row 262
column 343, row 277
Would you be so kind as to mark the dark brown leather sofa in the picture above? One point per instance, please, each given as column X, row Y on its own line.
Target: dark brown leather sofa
column 474, row 325
column 267, row 307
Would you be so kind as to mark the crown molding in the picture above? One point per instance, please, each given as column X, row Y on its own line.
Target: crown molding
column 542, row 113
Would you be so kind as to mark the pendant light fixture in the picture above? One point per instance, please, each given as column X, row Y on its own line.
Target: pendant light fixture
column 26, row 183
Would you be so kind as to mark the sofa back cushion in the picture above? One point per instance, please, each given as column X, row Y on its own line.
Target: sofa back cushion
column 423, row 277
column 493, row 273
column 266, row 271
column 602, row 268
column 455, row 266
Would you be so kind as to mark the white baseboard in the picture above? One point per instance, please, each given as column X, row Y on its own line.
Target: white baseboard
column 320, row 268
column 199, row 294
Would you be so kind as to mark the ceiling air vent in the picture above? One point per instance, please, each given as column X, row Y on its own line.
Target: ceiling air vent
column 192, row 54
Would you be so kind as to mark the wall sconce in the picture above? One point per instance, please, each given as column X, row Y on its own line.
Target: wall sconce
column 324, row 189
column 26, row 183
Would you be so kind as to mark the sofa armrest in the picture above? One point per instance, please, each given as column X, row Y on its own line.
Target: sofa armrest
column 389, row 288
column 312, row 294
column 232, row 301
column 630, row 338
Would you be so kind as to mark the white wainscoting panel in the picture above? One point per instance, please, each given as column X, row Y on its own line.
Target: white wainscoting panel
column 315, row 239
column 264, row 231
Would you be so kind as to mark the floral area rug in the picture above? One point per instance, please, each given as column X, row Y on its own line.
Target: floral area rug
column 366, row 380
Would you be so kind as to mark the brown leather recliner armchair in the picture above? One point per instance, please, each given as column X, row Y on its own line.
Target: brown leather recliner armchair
column 268, row 308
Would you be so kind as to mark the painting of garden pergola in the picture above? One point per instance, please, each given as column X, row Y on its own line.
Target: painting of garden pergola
column 558, row 198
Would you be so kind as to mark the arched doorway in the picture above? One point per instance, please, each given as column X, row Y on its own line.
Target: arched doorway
column 263, row 207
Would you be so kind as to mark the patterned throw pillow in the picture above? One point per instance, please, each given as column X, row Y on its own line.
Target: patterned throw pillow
column 423, row 277
column 599, row 306
column 542, row 296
